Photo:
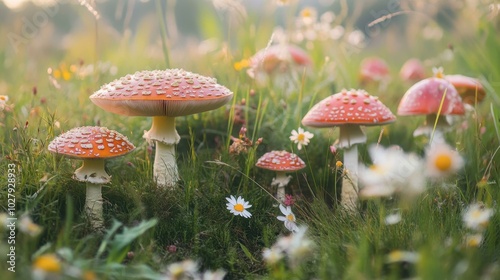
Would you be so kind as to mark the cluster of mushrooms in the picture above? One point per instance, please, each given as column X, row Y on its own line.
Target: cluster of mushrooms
column 162, row 95
column 167, row 94
column 435, row 97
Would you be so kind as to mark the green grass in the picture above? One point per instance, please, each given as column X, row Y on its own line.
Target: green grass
column 146, row 220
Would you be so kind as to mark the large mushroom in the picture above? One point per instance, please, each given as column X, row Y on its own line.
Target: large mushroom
column 164, row 95
column 281, row 162
column 470, row 89
column 435, row 98
column 93, row 145
column 349, row 110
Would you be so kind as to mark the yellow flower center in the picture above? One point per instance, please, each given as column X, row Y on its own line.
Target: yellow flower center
column 301, row 137
column 339, row 164
column 443, row 162
column 3, row 97
column 290, row 217
column 306, row 13
column 239, row 207
column 48, row 263
column 377, row 168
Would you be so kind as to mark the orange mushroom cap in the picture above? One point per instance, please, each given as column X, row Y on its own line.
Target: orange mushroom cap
column 91, row 142
column 355, row 107
column 280, row 161
column 470, row 89
column 171, row 92
column 424, row 98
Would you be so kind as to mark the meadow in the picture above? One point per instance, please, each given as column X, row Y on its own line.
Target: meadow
column 428, row 204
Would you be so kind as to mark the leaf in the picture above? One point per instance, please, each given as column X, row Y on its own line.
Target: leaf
column 122, row 240
column 247, row 252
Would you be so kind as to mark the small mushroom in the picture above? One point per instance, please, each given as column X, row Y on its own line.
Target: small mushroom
column 471, row 90
column 349, row 110
column 281, row 162
column 412, row 70
column 93, row 145
column 374, row 70
column 425, row 98
column 164, row 95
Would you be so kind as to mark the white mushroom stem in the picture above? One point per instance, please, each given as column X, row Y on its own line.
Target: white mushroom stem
column 351, row 135
column 93, row 205
column 426, row 129
column 165, row 135
column 92, row 172
column 349, row 194
column 281, row 181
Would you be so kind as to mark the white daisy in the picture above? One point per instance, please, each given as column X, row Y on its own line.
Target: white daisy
column 442, row 161
column 473, row 240
column 289, row 218
column 477, row 217
column 301, row 137
column 186, row 269
column 238, row 206
column 392, row 171
column 214, row 275
column 300, row 247
column 393, row 219
column 26, row 225
column 272, row 255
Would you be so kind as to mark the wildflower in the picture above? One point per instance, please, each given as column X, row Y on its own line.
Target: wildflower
column 477, row 217
column 300, row 247
column 289, row 200
column 214, row 275
column 284, row 2
column 301, row 137
column 182, row 270
column 44, row 265
column 27, row 226
column 272, row 255
column 402, row 256
column 392, row 171
column 333, row 149
column 393, row 219
column 442, row 160
column 308, row 15
column 242, row 64
column 473, row 240
column 289, row 218
column 3, row 101
column 339, row 164
column 238, row 206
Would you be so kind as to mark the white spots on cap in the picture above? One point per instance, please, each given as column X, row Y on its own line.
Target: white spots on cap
column 82, row 141
column 160, row 84
column 280, row 161
column 348, row 107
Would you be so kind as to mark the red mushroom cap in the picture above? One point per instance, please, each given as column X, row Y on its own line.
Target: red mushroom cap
column 373, row 69
column 412, row 70
column 271, row 57
column 91, row 142
column 348, row 107
column 470, row 89
column 424, row 98
column 280, row 161
column 171, row 92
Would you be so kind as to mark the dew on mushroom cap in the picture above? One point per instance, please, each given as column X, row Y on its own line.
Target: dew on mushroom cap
column 348, row 107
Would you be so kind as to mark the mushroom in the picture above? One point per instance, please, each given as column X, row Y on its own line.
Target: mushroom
column 349, row 109
column 92, row 144
column 164, row 95
column 277, row 60
column 281, row 162
column 412, row 70
column 470, row 90
column 425, row 98
column 374, row 69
